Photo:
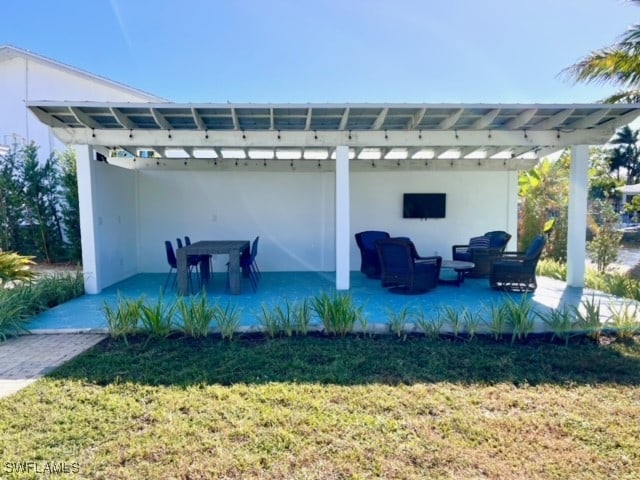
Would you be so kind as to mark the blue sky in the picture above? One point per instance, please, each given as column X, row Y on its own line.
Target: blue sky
column 507, row 51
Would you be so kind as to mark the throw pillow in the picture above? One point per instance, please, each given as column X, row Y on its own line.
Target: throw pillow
column 479, row 242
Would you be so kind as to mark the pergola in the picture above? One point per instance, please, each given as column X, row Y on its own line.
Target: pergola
column 336, row 137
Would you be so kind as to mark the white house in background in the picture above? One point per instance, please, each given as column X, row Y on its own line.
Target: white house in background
column 25, row 76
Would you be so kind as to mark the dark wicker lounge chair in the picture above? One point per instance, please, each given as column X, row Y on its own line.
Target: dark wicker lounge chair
column 516, row 271
column 401, row 271
column 482, row 251
column 370, row 263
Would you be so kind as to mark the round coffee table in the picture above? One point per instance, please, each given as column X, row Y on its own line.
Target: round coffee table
column 458, row 266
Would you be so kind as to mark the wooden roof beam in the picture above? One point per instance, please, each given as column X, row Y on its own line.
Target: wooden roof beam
column 451, row 120
column 521, row 119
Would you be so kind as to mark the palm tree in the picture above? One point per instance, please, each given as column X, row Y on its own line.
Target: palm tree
column 618, row 64
column 626, row 155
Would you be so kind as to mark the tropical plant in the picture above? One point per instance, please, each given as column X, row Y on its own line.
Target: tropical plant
column 14, row 310
column 269, row 321
column 452, row 318
column 52, row 290
column 157, row 317
column 227, row 320
column 196, row 315
column 548, row 267
column 431, row 327
column 15, row 267
column 602, row 185
column 626, row 154
column 122, row 320
column 285, row 318
column 617, row 64
column 633, row 207
column 302, row 316
column 544, row 195
column 605, row 246
column 588, row 317
column 497, row 321
column 398, row 321
column 337, row 312
column 471, row 320
column 519, row 316
column 561, row 321
column 624, row 319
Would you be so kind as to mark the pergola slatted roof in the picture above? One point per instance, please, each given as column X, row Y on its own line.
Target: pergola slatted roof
column 330, row 117
column 517, row 129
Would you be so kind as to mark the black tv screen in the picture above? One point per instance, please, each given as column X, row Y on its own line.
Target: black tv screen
column 424, row 205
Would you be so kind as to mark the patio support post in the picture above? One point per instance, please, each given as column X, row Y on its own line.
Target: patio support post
column 343, row 220
column 85, row 166
column 577, row 231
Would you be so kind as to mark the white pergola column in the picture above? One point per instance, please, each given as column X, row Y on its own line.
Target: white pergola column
column 86, row 173
column 343, row 218
column 576, row 236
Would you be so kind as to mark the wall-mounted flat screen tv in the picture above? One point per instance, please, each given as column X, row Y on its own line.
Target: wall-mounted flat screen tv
column 424, row 205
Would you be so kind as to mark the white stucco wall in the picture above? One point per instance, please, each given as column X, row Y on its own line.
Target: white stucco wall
column 25, row 79
column 116, row 223
column 477, row 202
column 294, row 212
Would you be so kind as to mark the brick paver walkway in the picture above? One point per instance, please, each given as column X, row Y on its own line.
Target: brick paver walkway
column 25, row 359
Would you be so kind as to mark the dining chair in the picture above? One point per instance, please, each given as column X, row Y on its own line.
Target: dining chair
column 192, row 260
column 207, row 258
column 173, row 265
column 249, row 265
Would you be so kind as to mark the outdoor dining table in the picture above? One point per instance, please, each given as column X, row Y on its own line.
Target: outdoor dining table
column 210, row 247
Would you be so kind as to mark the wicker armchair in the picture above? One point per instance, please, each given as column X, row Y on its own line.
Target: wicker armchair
column 402, row 271
column 488, row 249
column 366, row 241
column 516, row 271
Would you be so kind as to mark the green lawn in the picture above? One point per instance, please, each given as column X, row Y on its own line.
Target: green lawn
column 316, row 407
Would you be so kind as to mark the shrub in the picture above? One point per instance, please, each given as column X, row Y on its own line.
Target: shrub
column 337, row 313
column 552, row 268
column 15, row 267
column 227, row 319
column 269, row 322
column 56, row 289
column 284, row 318
column 605, row 245
column 430, row 327
column 497, row 321
column 302, row 316
column 588, row 318
column 562, row 323
column 471, row 321
column 398, row 321
column 452, row 316
column 624, row 320
column 157, row 317
column 196, row 315
column 14, row 310
column 123, row 319
column 519, row 317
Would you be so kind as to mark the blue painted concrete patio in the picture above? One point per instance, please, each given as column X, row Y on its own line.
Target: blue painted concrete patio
column 275, row 288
